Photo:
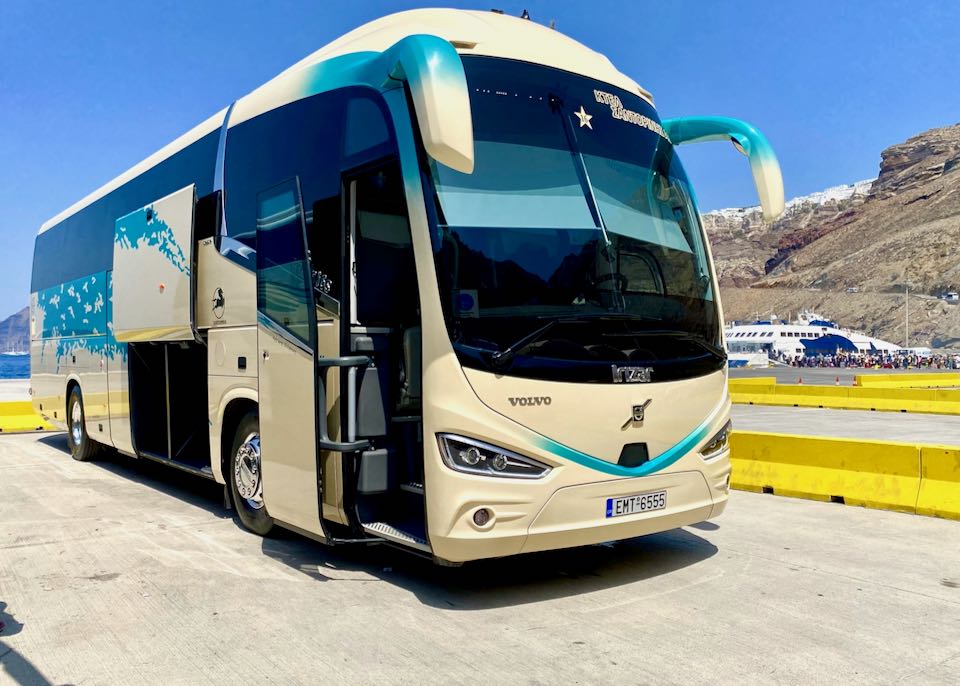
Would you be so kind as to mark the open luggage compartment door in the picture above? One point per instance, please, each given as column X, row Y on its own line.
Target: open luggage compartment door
column 153, row 289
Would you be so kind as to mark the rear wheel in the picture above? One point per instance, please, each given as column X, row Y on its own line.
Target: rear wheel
column 245, row 477
column 82, row 447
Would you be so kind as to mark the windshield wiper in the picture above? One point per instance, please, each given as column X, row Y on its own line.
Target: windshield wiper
column 502, row 358
column 716, row 351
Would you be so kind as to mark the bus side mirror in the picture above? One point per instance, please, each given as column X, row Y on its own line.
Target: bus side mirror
column 747, row 140
column 438, row 88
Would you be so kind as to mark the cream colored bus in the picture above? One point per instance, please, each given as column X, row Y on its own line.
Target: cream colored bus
column 441, row 284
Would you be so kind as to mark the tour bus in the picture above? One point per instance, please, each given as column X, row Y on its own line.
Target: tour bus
column 441, row 284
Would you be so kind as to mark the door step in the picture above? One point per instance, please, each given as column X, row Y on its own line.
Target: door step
column 412, row 488
column 392, row 533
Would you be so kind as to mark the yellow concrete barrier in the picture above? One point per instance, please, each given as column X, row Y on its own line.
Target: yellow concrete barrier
column 753, row 381
column 908, row 380
column 939, row 482
column 20, row 416
column 878, row 474
column 928, row 400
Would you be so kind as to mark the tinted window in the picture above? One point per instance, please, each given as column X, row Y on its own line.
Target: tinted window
column 366, row 127
column 386, row 271
column 303, row 139
column 313, row 139
column 283, row 279
column 577, row 220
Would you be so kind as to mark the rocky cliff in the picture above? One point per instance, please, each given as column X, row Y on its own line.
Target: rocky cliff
column 15, row 331
column 900, row 230
column 746, row 248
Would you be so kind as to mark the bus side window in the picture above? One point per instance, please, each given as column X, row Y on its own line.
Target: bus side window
column 299, row 139
column 366, row 128
column 283, row 277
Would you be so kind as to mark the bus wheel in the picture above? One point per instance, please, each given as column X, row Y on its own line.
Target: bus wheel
column 246, row 483
column 82, row 447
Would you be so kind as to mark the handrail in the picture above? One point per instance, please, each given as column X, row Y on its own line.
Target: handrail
column 323, row 439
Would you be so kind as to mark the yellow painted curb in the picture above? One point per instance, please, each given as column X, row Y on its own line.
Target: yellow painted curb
column 19, row 415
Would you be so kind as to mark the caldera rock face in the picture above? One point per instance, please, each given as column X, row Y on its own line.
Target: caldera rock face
column 871, row 239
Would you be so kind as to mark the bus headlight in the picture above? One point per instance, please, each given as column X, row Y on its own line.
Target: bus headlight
column 474, row 457
column 718, row 443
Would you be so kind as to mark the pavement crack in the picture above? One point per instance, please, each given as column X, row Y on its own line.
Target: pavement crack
column 939, row 663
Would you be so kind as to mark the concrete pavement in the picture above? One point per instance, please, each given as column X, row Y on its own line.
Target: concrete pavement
column 124, row 572
column 880, row 426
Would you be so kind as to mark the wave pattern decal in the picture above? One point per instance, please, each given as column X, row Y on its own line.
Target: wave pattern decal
column 74, row 316
column 146, row 228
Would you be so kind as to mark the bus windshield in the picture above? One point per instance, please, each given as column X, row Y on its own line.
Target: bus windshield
column 575, row 243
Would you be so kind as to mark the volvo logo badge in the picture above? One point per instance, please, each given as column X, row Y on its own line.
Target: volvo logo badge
column 531, row 401
column 636, row 414
column 631, row 374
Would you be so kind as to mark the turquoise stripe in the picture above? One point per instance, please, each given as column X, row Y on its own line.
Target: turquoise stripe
column 661, row 461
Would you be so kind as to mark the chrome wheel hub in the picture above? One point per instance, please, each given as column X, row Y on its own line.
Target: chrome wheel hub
column 76, row 423
column 246, row 472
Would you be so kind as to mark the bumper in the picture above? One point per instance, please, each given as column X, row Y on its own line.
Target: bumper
column 576, row 515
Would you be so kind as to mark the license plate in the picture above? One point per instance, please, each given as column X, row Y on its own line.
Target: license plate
column 632, row 504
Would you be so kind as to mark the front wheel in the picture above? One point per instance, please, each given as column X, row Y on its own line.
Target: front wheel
column 82, row 447
column 246, row 482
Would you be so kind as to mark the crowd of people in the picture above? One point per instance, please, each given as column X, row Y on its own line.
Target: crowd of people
column 876, row 360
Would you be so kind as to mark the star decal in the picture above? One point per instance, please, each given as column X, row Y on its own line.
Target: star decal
column 584, row 118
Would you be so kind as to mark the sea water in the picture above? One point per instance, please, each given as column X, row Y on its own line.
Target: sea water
column 14, row 366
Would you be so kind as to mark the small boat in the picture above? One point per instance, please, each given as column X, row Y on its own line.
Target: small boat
column 10, row 352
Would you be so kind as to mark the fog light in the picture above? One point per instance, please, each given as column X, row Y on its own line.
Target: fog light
column 481, row 516
column 499, row 463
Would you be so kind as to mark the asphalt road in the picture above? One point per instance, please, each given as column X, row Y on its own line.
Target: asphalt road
column 882, row 426
column 123, row 572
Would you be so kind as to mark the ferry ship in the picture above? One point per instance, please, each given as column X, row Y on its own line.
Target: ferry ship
column 752, row 344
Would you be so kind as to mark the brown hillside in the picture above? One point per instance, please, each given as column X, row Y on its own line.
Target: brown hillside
column 903, row 229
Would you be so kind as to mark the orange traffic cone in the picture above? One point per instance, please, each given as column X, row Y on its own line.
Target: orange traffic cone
column 799, row 380
column 837, row 382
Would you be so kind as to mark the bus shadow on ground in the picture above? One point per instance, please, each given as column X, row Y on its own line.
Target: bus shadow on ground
column 197, row 491
column 485, row 584
column 502, row 582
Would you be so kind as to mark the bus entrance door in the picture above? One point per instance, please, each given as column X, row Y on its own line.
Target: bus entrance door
column 287, row 341
column 382, row 303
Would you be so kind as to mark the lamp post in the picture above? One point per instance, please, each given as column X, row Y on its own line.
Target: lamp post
column 906, row 318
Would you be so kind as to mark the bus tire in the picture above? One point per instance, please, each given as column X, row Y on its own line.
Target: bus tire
column 245, row 476
column 82, row 447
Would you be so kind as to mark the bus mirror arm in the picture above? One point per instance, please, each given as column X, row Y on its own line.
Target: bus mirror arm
column 324, row 440
column 748, row 140
column 438, row 87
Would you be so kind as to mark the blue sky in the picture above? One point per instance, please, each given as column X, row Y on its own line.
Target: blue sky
column 89, row 89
